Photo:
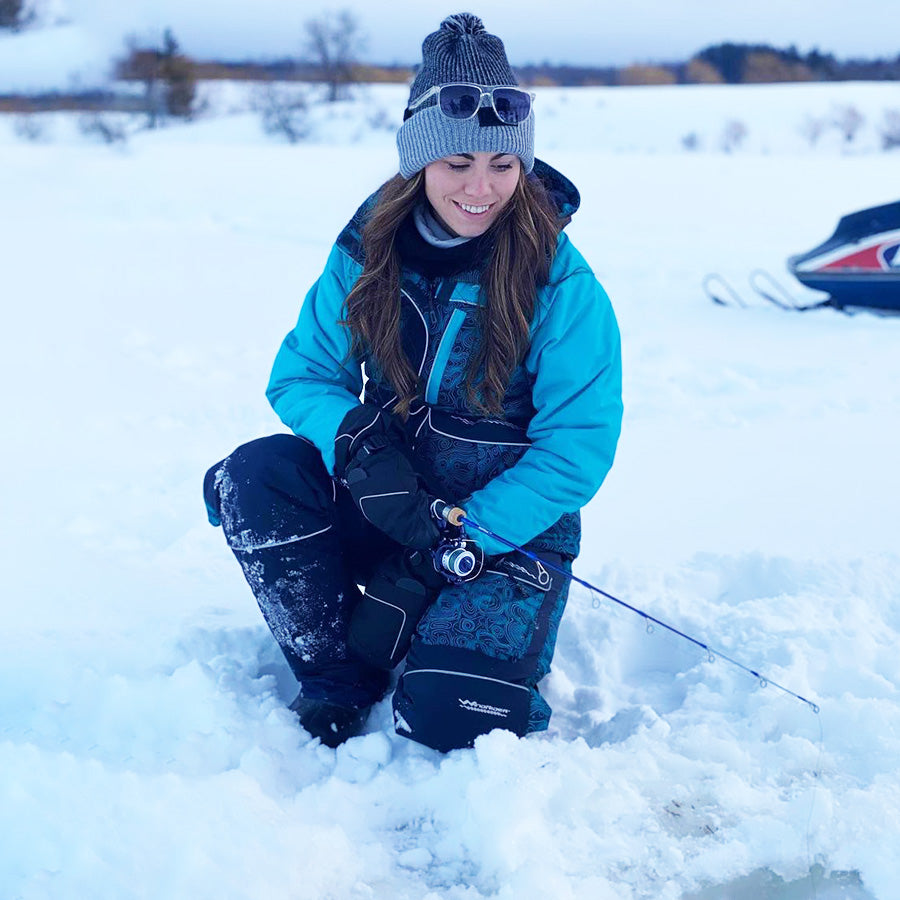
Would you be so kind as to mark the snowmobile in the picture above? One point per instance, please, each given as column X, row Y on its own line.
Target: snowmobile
column 858, row 266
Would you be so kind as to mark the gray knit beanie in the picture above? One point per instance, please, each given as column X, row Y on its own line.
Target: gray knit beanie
column 461, row 51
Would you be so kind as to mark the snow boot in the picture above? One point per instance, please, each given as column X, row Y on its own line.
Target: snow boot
column 331, row 723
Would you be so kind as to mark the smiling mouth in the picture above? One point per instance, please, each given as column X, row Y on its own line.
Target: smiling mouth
column 473, row 210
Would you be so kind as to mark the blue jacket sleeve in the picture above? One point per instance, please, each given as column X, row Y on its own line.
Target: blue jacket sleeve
column 575, row 358
column 314, row 381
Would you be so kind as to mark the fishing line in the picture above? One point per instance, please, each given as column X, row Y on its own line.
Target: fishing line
column 651, row 621
column 711, row 653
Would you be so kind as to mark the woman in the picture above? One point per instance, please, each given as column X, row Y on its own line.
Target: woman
column 492, row 382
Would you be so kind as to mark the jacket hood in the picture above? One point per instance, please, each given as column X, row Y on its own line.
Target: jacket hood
column 561, row 191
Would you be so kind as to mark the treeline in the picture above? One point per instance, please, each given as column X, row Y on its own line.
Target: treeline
column 749, row 63
column 274, row 70
column 332, row 57
column 722, row 64
column 718, row 64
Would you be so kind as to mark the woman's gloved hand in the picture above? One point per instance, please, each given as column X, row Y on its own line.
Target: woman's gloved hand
column 371, row 462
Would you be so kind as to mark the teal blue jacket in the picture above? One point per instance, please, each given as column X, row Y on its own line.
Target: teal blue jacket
column 520, row 475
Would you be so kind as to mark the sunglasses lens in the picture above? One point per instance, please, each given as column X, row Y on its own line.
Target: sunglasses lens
column 459, row 101
column 512, row 105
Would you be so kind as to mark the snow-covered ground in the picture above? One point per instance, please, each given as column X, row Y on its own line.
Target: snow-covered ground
column 145, row 748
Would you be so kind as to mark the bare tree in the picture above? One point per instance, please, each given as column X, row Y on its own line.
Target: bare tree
column 848, row 120
column 333, row 43
column 812, row 128
column 30, row 127
column 105, row 129
column 284, row 113
column 733, row 135
column 890, row 129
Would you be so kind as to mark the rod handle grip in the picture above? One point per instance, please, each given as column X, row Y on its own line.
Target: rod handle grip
column 455, row 516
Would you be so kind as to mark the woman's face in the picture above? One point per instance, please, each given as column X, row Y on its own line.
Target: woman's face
column 468, row 190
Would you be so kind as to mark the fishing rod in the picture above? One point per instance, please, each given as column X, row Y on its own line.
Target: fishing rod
column 457, row 516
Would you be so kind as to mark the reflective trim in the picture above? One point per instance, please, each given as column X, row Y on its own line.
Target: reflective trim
column 466, row 440
column 409, row 672
column 402, row 621
column 291, row 540
column 362, row 500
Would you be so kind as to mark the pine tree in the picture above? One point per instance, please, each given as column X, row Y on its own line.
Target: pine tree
column 177, row 71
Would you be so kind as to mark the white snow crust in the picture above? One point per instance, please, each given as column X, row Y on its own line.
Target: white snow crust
column 145, row 746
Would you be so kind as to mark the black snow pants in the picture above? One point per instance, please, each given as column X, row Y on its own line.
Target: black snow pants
column 479, row 650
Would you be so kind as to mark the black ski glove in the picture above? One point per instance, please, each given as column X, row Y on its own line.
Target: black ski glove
column 370, row 461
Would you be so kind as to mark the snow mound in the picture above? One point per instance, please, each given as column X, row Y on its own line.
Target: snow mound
column 145, row 746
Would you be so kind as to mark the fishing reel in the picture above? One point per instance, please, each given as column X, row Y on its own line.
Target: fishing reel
column 458, row 559
column 455, row 557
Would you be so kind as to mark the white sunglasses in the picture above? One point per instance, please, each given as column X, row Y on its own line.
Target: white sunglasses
column 462, row 101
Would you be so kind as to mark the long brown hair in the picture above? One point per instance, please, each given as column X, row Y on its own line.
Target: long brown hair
column 523, row 243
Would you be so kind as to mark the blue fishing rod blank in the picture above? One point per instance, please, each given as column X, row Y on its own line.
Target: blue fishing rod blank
column 711, row 653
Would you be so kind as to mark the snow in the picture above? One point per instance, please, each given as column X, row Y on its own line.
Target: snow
column 145, row 746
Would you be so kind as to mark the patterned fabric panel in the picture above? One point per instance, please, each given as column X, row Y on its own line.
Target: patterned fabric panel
column 564, row 536
column 539, row 713
column 493, row 615
column 461, row 463
column 500, row 616
column 504, row 624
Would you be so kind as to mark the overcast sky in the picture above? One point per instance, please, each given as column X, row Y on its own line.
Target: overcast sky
column 570, row 31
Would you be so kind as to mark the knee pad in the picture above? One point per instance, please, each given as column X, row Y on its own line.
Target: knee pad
column 269, row 491
column 396, row 596
column 479, row 654
column 447, row 708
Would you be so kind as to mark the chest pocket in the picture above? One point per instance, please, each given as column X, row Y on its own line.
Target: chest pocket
column 463, row 454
